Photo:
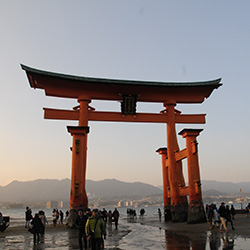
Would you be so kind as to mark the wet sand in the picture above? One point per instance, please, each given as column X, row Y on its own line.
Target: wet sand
column 146, row 233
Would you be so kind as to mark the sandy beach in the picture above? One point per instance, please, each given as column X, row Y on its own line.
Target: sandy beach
column 147, row 233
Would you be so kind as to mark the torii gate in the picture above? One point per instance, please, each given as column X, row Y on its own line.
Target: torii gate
column 86, row 89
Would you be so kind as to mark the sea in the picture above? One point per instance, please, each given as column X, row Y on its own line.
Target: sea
column 17, row 216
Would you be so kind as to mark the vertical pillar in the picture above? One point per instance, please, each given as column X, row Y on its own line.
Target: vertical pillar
column 78, row 194
column 196, row 213
column 166, row 186
column 176, row 179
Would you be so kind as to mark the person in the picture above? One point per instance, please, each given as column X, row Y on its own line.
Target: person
column 36, row 228
column 1, row 219
column 104, row 215
column 210, row 215
column 61, row 216
column 207, row 210
column 134, row 213
column 228, row 217
column 222, row 213
column 43, row 219
column 142, row 212
column 216, row 219
column 3, row 223
column 95, row 229
column 110, row 215
column 81, row 220
column 247, row 211
column 159, row 213
column 116, row 217
column 28, row 217
column 67, row 215
column 54, row 217
column 233, row 212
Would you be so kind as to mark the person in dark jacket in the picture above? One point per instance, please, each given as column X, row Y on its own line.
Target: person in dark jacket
column 28, row 217
column 228, row 217
column 36, row 228
column 116, row 217
column 233, row 212
column 222, row 213
column 81, row 220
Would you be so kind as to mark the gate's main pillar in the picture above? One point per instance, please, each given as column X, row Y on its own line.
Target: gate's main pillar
column 196, row 213
column 176, row 178
column 78, row 194
column 166, row 185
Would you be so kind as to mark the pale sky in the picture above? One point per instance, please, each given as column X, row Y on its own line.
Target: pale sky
column 135, row 40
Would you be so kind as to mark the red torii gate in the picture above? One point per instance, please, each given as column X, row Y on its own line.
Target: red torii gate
column 86, row 89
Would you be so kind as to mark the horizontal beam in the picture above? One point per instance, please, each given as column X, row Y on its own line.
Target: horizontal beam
column 60, row 114
column 180, row 155
column 118, row 117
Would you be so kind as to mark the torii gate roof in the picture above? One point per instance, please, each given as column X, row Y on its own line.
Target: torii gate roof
column 69, row 86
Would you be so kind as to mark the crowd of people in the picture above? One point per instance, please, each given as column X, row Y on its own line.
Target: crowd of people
column 220, row 217
column 132, row 213
column 36, row 224
column 91, row 225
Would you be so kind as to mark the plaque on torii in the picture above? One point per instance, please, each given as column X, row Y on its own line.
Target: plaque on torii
column 129, row 93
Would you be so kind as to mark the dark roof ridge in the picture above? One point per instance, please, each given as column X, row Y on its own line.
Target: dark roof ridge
column 215, row 82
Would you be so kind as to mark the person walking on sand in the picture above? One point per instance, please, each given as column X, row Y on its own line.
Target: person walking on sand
column 110, row 215
column 61, row 216
column 28, row 217
column 81, row 220
column 142, row 212
column 36, row 228
column 222, row 213
column 159, row 214
column 54, row 217
column 228, row 217
column 116, row 217
column 43, row 219
column 95, row 229
column 233, row 212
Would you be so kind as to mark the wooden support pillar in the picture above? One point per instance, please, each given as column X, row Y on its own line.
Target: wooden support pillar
column 196, row 213
column 178, row 203
column 78, row 194
column 166, row 185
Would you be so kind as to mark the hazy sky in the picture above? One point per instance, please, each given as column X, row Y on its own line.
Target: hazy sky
column 141, row 40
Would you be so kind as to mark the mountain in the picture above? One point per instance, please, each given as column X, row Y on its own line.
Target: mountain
column 114, row 188
column 44, row 190
column 226, row 187
column 38, row 190
column 52, row 189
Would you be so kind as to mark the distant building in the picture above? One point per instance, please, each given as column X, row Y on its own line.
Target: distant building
column 63, row 204
column 129, row 203
column 52, row 204
column 121, row 203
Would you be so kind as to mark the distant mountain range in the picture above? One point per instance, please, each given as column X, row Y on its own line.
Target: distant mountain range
column 44, row 190
column 52, row 189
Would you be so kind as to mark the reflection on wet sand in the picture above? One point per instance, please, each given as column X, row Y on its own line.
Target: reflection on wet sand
column 180, row 242
column 218, row 239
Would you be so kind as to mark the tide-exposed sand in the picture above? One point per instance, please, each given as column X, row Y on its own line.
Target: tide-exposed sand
column 147, row 233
